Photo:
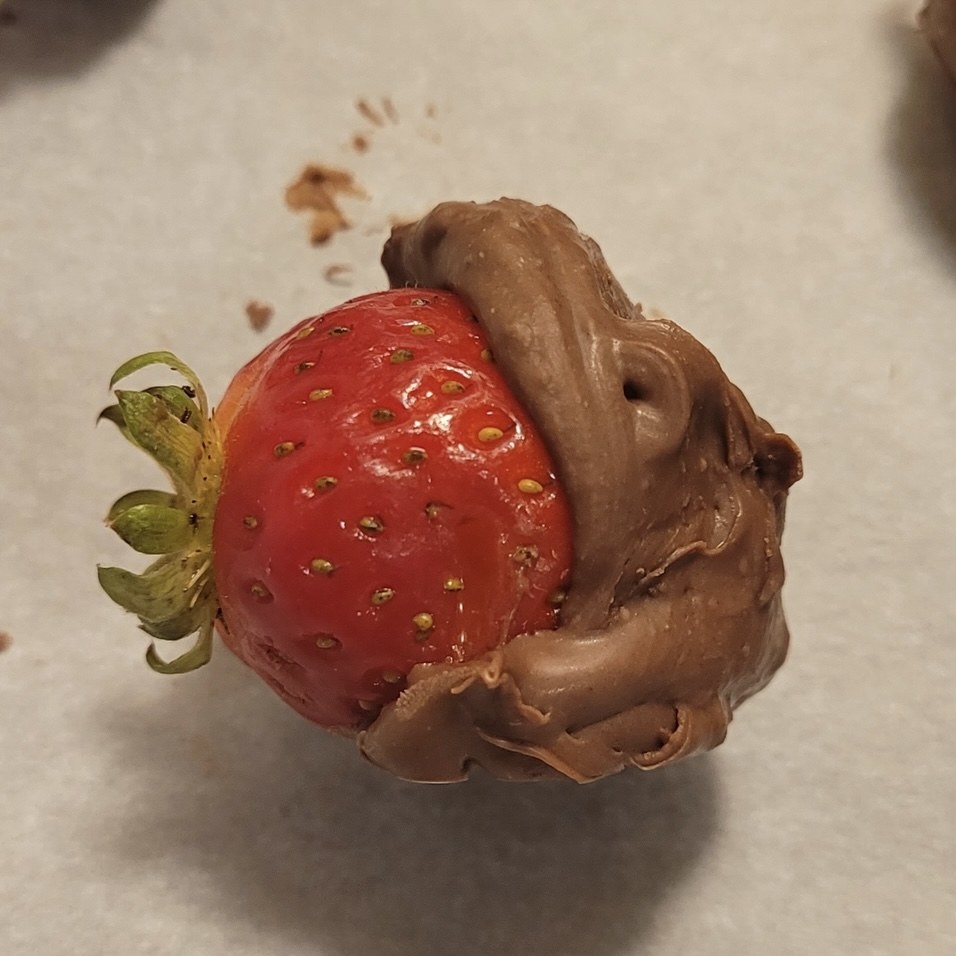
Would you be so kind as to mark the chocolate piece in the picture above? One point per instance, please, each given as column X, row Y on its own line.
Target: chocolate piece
column 673, row 616
column 938, row 22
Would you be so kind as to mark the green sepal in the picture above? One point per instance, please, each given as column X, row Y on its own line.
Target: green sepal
column 114, row 414
column 163, row 358
column 175, row 596
column 179, row 404
column 160, row 593
column 145, row 496
column 154, row 529
column 176, row 628
column 176, row 447
column 195, row 657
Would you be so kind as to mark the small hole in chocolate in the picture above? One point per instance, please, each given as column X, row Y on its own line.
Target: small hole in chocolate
column 633, row 392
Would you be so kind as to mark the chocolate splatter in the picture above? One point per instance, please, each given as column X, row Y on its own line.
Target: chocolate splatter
column 369, row 112
column 338, row 273
column 317, row 190
column 259, row 314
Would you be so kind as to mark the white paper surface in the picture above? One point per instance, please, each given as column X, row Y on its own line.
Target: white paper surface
column 778, row 177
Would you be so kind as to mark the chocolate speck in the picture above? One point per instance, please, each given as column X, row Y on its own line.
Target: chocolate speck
column 317, row 190
column 259, row 314
column 369, row 112
column 338, row 273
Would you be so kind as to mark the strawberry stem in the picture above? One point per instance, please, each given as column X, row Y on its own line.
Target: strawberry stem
column 175, row 596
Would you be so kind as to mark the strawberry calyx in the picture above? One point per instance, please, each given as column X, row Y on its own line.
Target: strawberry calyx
column 175, row 596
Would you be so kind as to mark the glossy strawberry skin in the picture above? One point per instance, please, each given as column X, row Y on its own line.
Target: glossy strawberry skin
column 385, row 502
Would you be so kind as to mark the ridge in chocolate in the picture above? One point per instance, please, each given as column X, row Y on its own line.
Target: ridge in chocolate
column 937, row 20
column 678, row 491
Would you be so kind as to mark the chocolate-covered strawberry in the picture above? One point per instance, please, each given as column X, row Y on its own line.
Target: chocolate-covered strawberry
column 368, row 496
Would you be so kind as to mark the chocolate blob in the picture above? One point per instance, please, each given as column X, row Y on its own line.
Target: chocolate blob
column 673, row 615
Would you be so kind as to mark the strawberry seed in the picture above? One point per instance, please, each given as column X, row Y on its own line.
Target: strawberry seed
column 414, row 456
column 423, row 622
column 371, row 524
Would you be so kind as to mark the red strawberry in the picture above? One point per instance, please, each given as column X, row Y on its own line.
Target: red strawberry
column 384, row 502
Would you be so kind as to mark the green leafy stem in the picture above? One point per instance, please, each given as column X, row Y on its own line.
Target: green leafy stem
column 175, row 596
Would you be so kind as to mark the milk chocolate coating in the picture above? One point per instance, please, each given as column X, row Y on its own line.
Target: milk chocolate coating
column 677, row 491
column 938, row 22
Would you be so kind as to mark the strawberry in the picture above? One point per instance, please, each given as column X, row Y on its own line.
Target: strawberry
column 368, row 496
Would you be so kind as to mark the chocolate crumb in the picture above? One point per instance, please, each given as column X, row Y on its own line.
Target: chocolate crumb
column 338, row 273
column 360, row 143
column 259, row 314
column 389, row 107
column 8, row 18
column 5, row 642
column 317, row 189
column 369, row 112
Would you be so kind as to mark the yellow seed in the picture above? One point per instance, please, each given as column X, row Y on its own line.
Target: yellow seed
column 525, row 555
column 382, row 596
column 382, row 415
column 391, row 677
column 305, row 333
column 557, row 597
column 401, row 355
column 284, row 448
column 486, row 355
column 414, row 456
column 422, row 329
column 260, row 592
column 451, row 387
column 423, row 622
column 339, row 330
column 303, row 367
column 371, row 524
column 325, row 482
column 327, row 641
column 317, row 394
column 250, row 521
column 490, row 434
column 321, row 566
column 454, row 584
column 530, row 487
column 432, row 509
column 419, row 301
